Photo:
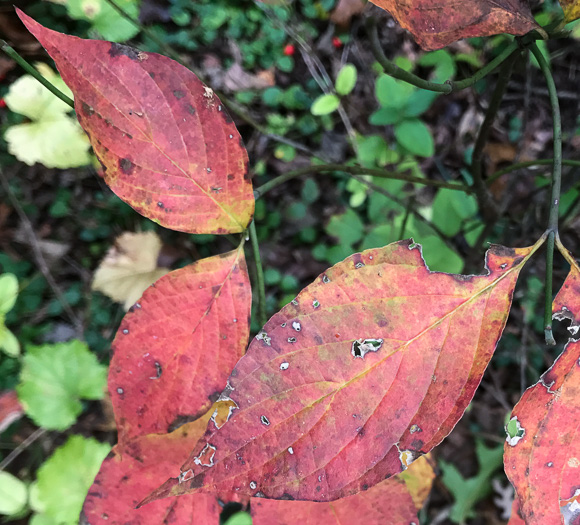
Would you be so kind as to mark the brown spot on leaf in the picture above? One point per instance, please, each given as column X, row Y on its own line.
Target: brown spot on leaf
column 88, row 111
column 178, row 94
column 117, row 50
column 126, row 166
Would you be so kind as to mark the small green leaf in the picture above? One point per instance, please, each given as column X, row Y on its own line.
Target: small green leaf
column 240, row 518
column 346, row 227
column 346, row 79
column 8, row 342
column 386, row 116
column 55, row 378
column 415, row 137
column 13, row 494
column 8, row 292
column 325, row 104
column 392, row 93
column 451, row 208
column 65, row 478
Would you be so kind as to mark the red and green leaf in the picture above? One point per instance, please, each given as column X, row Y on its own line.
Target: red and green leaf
column 166, row 143
column 542, row 451
column 176, row 347
column 368, row 368
column 437, row 23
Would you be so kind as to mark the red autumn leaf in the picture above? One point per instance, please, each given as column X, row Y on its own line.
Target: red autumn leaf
column 134, row 469
column 368, row 368
column 168, row 147
column 176, row 347
column 515, row 518
column 542, row 453
column 437, row 23
column 394, row 501
column 10, row 409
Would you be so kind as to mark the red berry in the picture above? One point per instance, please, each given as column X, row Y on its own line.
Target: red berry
column 2, row 103
column 289, row 50
column 337, row 42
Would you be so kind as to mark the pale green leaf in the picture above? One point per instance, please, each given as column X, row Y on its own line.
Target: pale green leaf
column 325, row 104
column 13, row 494
column 64, row 479
column 8, row 292
column 346, row 79
column 240, row 518
column 8, row 342
column 55, row 378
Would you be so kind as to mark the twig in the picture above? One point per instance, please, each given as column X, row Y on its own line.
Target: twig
column 355, row 170
column 38, row 433
column 528, row 164
column 34, row 72
column 486, row 203
column 259, row 275
column 419, row 82
column 38, row 256
column 555, row 194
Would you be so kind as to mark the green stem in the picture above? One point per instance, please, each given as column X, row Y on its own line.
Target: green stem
column 259, row 275
column 354, row 170
column 486, row 203
column 528, row 164
column 33, row 71
column 556, row 188
column 419, row 82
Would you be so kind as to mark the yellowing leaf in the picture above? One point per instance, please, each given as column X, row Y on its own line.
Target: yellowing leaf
column 129, row 267
column 52, row 137
column 571, row 9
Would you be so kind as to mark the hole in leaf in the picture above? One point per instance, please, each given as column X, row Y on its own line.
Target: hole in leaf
column 361, row 347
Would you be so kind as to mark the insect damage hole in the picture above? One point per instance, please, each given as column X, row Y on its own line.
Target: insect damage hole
column 514, row 431
column 361, row 347
column 265, row 420
column 205, row 458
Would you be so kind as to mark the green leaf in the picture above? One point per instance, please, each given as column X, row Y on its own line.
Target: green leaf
column 415, row 137
column 13, row 494
column 346, row 79
column 443, row 63
column 8, row 342
column 325, row 104
column 8, row 292
column 382, row 235
column 419, row 102
column 55, row 378
column 386, row 116
column 392, row 93
column 468, row 492
column 451, row 208
column 347, row 227
column 240, row 518
column 65, row 478
column 438, row 256
column 42, row 519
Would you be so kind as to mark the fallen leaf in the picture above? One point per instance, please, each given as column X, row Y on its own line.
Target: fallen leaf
column 167, row 144
column 129, row 267
column 237, row 79
column 515, row 518
column 437, row 23
column 345, row 10
column 176, row 346
column 10, row 409
column 542, row 450
column 571, row 9
column 368, row 368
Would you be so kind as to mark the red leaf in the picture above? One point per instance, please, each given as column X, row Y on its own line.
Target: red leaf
column 371, row 366
column 437, row 23
column 543, row 461
column 168, row 147
column 133, row 470
column 10, row 409
column 394, row 501
column 176, row 346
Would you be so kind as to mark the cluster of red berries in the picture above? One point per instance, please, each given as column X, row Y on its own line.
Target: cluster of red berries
column 289, row 49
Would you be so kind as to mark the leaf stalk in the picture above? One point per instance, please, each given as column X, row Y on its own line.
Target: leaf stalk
column 262, row 317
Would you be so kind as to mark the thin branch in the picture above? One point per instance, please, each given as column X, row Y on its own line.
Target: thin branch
column 262, row 317
column 486, row 203
column 34, row 72
column 419, row 82
column 38, row 256
column 555, row 193
column 355, row 170
column 38, row 433
column 529, row 164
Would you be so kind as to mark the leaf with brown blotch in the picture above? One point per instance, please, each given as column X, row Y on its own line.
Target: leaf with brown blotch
column 134, row 469
column 167, row 145
column 542, row 453
column 176, row 347
column 515, row 518
column 437, row 23
column 368, row 368
column 571, row 9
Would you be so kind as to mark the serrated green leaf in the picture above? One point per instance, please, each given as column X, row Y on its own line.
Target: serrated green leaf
column 13, row 494
column 8, row 292
column 64, row 479
column 346, row 79
column 324, row 105
column 55, row 378
column 415, row 137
